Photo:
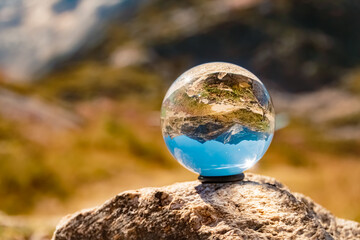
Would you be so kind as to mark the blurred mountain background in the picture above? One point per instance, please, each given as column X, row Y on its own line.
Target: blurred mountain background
column 81, row 86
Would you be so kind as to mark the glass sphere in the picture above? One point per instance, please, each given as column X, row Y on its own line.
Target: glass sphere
column 217, row 119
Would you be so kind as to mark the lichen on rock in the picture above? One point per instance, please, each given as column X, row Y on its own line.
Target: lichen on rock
column 258, row 207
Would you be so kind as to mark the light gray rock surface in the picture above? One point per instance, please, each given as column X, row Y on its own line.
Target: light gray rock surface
column 257, row 208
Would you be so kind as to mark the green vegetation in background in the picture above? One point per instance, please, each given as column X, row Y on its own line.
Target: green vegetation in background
column 24, row 174
column 31, row 171
column 144, row 150
column 15, row 232
column 351, row 120
column 296, row 144
column 90, row 80
column 351, row 81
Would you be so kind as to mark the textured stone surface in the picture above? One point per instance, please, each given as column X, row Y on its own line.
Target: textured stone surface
column 257, row 208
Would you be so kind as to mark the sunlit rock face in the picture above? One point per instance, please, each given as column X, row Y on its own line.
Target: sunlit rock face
column 257, row 208
column 217, row 119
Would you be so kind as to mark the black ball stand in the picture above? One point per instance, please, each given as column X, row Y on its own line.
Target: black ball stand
column 222, row 179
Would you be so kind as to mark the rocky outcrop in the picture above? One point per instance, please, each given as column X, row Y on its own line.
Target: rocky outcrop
column 256, row 208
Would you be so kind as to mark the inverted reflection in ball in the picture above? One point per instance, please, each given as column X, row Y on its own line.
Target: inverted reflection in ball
column 217, row 119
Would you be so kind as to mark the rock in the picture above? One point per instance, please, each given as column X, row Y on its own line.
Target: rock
column 257, row 208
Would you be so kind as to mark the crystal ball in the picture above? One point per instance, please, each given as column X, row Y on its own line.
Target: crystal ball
column 217, row 119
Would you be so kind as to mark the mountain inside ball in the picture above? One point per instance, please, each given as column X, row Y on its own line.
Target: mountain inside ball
column 217, row 120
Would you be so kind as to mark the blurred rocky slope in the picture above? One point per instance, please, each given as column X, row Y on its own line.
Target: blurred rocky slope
column 36, row 35
column 293, row 46
column 297, row 45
